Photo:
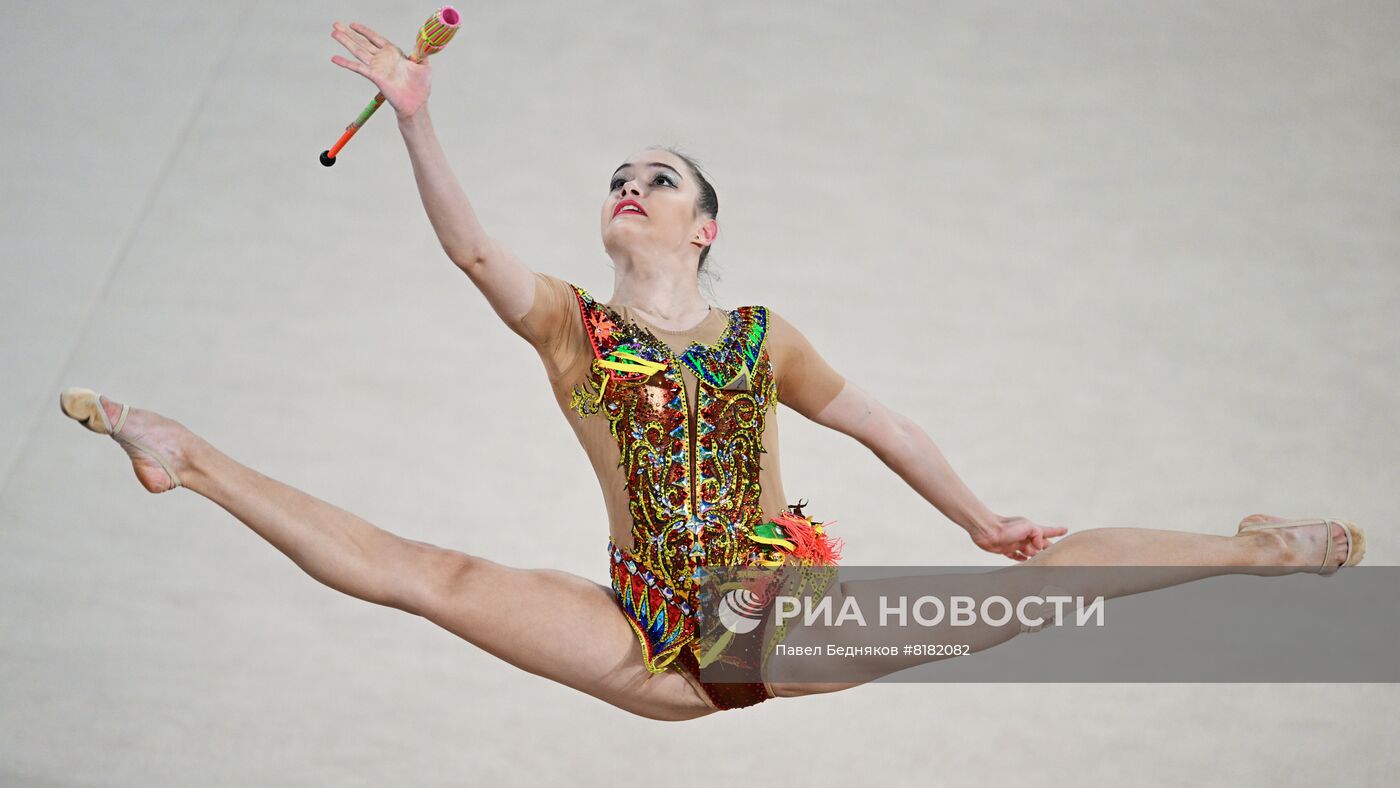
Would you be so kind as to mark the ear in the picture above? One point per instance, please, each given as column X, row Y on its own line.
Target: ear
column 706, row 233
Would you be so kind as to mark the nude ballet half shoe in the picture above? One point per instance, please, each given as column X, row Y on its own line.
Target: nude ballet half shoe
column 84, row 407
column 1356, row 539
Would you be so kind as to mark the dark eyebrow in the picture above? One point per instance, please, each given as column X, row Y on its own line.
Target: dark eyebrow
column 651, row 164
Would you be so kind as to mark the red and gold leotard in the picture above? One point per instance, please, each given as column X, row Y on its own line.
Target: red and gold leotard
column 684, row 445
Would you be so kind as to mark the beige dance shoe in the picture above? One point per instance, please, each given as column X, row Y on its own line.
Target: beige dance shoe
column 84, row 407
column 1356, row 538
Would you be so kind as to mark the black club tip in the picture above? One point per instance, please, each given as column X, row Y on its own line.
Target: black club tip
column 326, row 159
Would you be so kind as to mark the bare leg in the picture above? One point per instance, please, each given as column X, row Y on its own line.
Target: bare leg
column 1174, row 557
column 550, row 623
column 1152, row 547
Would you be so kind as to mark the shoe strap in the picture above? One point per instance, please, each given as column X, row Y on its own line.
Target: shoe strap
column 1351, row 546
column 120, row 419
column 1327, row 553
column 156, row 455
column 164, row 463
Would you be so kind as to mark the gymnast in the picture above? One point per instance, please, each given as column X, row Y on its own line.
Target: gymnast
column 674, row 401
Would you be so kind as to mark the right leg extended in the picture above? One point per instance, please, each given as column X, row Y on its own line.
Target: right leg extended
column 1149, row 559
column 550, row 623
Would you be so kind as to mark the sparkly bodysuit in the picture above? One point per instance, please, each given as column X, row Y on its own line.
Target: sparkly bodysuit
column 689, row 431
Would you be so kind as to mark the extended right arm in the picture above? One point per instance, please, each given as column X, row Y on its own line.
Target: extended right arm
column 507, row 283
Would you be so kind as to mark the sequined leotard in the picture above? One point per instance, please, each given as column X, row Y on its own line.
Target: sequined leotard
column 681, row 428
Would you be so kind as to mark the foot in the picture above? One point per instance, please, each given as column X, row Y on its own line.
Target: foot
column 1302, row 545
column 167, row 436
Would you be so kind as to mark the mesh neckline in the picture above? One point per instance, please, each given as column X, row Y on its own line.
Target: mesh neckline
column 632, row 315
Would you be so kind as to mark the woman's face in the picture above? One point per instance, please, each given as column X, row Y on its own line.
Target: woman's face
column 651, row 206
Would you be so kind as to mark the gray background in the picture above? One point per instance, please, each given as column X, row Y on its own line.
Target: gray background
column 1128, row 263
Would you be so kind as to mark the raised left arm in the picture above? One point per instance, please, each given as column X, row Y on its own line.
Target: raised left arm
column 810, row 386
column 910, row 452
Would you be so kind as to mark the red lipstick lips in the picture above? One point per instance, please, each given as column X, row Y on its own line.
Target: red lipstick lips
column 617, row 210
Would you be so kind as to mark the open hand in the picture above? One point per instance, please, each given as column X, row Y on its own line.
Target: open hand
column 405, row 84
column 1017, row 538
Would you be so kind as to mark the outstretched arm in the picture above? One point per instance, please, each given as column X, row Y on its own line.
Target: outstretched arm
column 908, row 451
column 506, row 282
column 899, row 443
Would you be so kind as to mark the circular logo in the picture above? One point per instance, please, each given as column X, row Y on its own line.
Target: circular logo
column 741, row 610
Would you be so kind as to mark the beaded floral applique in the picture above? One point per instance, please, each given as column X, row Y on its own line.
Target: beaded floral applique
column 693, row 489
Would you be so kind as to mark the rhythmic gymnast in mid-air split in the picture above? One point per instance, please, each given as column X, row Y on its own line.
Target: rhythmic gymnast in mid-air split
column 675, row 403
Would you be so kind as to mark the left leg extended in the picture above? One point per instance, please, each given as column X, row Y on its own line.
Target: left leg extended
column 1176, row 557
column 550, row 623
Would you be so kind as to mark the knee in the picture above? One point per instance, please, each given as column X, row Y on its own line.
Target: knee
column 1057, row 550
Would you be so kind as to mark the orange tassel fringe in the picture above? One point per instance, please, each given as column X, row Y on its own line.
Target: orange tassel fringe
column 809, row 539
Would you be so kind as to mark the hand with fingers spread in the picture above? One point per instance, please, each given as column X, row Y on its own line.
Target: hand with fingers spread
column 404, row 83
column 1017, row 538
